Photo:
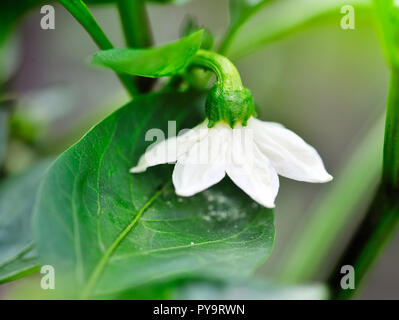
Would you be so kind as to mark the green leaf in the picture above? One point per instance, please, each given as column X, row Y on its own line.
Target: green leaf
column 17, row 197
column 107, row 230
column 155, row 62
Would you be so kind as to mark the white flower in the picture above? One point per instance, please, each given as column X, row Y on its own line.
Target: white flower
column 252, row 156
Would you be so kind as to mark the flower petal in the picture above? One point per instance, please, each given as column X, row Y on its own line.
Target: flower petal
column 288, row 153
column 203, row 165
column 252, row 172
column 169, row 150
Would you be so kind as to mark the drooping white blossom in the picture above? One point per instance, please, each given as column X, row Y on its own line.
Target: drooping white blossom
column 252, row 156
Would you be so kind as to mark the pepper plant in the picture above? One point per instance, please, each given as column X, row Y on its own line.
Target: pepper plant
column 115, row 219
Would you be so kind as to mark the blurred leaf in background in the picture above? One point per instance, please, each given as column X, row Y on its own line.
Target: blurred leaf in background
column 283, row 17
column 9, row 57
column 17, row 197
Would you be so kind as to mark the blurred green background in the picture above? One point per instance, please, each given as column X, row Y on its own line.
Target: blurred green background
column 326, row 84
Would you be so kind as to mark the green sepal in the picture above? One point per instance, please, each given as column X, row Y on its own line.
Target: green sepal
column 230, row 106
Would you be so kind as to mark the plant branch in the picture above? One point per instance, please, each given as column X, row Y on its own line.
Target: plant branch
column 383, row 214
column 391, row 145
column 82, row 14
column 135, row 23
column 136, row 29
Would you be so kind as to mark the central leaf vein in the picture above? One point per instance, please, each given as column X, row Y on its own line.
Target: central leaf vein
column 105, row 258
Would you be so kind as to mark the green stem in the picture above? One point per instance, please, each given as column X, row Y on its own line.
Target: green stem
column 24, row 251
column 136, row 28
column 226, row 73
column 135, row 23
column 82, row 14
column 383, row 214
column 391, row 145
column 309, row 251
column 228, row 39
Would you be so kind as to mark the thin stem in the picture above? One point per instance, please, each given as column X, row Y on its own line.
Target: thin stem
column 369, row 240
column 226, row 73
column 391, row 145
column 135, row 23
column 383, row 214
column 28, row 270
column 24, row 251
column 136, row 28
column 231, row 33
column 82, row 14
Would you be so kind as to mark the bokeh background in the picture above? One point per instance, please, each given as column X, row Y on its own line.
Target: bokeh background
column 327, row 84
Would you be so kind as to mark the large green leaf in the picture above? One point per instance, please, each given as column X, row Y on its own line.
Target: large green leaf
column 106, row 230
column 155, row 62
column 17, row 196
